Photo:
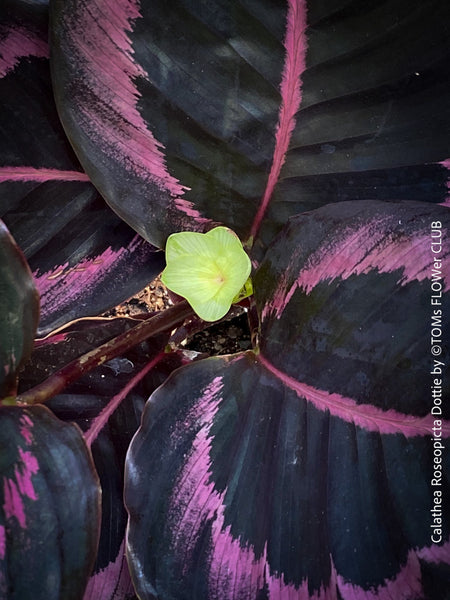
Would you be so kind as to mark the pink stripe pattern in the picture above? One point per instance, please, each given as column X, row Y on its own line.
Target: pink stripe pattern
column 366, row 416
column 193, row 498
column 99, row 37
column 28, row 466
column 113, row 582
column 406, row 585
column 39, row 175
column 291, row 96
column 13, row 503
column 16, row 489
column 195, row 502
column 234, row 568
column 64, row 283
column 357, row 252
column 16, row 43
column 436, row 554
column 26, row 425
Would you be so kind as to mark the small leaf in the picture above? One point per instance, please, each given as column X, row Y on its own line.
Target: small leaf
column 208, row 269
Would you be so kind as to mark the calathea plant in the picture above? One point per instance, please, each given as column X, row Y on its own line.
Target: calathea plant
column 311, row 140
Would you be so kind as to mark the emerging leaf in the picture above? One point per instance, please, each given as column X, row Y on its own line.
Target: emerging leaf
column 208, row 269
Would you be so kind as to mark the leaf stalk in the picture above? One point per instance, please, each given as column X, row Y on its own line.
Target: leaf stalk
column 53, row 385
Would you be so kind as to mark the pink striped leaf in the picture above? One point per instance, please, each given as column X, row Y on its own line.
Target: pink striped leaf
column 356, row 287
column 90, row 275
column 84, row 258
column 312, row 468
column 50, row 507
column 113, row 582
column 84, row 403
column 186, row 115
column 19, row 312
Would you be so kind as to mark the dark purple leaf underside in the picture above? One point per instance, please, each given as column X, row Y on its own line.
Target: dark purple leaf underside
column 76, row 246
column 19, row 312
column 50, row 494
column 247, row 113
column 305, row 470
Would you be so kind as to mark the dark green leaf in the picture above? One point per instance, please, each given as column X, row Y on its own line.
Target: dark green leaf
column 246, row 113
column 85, row 260
column 50, row 499
column 19, row 312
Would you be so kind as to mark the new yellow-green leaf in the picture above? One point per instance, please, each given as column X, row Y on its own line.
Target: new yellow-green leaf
column 208, row 269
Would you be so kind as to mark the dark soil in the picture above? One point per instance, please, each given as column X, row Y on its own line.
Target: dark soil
column 225, row 337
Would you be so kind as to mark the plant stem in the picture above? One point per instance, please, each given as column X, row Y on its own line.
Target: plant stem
column 99, row 422
column 162, row 321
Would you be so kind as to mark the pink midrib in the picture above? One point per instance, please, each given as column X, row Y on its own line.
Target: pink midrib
column 366, row 416
column 291, row 96
column 40, row 174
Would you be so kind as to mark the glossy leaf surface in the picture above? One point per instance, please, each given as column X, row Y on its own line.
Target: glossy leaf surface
column 85, row 260
column 50, row 499
column 19, row 312
column 304, row 470
column 348, row 296
column 246, row 113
